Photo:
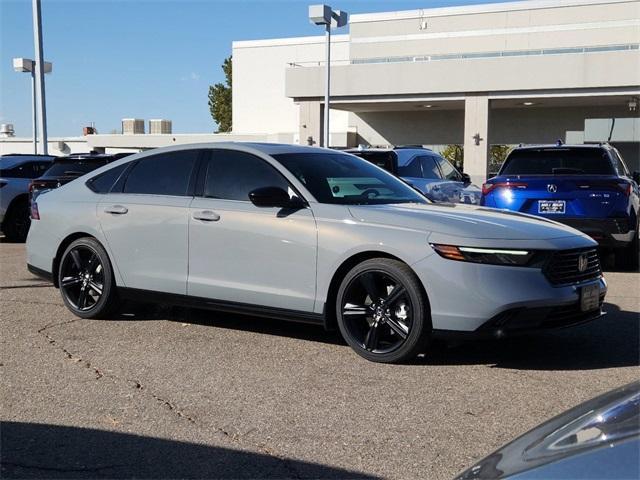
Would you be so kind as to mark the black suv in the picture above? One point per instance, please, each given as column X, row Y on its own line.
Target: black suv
column 65, row 169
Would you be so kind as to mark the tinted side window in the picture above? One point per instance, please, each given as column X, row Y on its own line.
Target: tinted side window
column 429, row 167
column 411, row 170
column 231, row 175
column 25, row 170
column 448, row 171
column 162, row 174
column 40, row 168
column 102, row 183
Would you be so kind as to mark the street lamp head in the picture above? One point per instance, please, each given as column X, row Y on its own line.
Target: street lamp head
column 23, row 64
column 320, row 14
column 28, row 65
column 339, row 18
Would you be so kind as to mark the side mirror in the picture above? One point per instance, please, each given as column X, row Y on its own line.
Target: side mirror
column 636, row 177
column 274, row 197
column 466, row 179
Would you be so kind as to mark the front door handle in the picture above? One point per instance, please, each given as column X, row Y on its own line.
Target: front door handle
column 116, row 209
column 206, row 216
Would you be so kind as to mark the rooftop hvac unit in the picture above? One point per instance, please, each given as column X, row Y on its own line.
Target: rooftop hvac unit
column 132, row 126
column 6, row 130
column 159, row 126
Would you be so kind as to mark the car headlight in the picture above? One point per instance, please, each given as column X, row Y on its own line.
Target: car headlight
column 491, row 256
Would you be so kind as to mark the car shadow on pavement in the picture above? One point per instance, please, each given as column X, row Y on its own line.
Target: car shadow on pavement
column 249, row 323
column 32, row 450
column 609, row 342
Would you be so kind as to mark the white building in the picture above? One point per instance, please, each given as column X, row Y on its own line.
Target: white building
column 506, row 73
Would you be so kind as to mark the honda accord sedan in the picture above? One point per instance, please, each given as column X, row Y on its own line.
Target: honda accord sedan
column 308, row 234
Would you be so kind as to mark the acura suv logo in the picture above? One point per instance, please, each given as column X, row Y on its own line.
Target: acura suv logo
column 551, row 188
column 583, row 262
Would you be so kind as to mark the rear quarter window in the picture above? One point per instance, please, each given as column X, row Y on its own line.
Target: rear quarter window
column 104, row 182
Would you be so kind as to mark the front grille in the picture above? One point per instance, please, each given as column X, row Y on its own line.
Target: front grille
column 562, row 268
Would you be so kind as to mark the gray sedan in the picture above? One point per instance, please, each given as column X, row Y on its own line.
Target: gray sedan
column 308, row 234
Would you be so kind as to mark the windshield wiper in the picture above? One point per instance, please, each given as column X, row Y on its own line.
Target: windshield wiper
column 73, row 172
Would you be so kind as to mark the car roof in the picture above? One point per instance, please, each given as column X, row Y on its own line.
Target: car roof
column 555, row 146
column 13, row 160
column 86, row 156
column 403, row 154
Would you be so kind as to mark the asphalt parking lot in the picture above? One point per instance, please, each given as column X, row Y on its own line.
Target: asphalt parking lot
column 168, row 393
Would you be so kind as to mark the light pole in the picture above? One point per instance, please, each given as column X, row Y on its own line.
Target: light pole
column 324, row 15
column 39, row 73
column 28, row 65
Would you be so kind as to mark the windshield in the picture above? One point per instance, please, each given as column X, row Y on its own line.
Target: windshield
column 558, row 161
column 344, row 179
column 74, row 167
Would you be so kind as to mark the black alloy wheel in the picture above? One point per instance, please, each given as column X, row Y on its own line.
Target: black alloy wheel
column 86, row 279
column 17, row 222
column 382, row 311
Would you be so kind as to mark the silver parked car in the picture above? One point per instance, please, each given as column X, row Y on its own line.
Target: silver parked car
column 16, row 173
column 598, row 439
column 308, row 234
column 425, row 170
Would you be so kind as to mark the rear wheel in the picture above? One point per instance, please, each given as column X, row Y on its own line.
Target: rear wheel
column 86, row 279
column 382, row 311
column 632, row 252
column 17, row 222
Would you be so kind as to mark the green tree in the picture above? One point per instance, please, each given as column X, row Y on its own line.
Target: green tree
column 497, row 156
column 455, row 154
column 220, row 99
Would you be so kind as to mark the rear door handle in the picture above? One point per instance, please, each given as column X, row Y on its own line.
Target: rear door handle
column 206, row 216
column 116, row 209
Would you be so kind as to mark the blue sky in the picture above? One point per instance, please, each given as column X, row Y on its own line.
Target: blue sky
column 143, row 58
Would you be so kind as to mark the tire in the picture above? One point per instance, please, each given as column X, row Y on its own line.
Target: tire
column 632, row 252
column 17, row 221
column 383, row 312
column 86, row 280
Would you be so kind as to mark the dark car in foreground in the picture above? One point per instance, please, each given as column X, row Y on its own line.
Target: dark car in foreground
column 70, row 167
column 426, row 171
column 16, row 173
column 588, row 187
column 598, row 439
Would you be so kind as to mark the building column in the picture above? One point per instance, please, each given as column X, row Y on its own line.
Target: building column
column 310, row 127
column 476, row 137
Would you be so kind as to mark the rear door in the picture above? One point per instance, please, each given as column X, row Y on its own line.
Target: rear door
column 145, row 221
column 246, row 254
column 562, row 182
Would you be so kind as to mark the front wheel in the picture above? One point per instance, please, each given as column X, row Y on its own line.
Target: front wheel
column 86, row 279
column 382, row 311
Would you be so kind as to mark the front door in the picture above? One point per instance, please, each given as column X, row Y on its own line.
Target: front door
column 246, row 254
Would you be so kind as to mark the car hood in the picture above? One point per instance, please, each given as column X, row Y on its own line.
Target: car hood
column 464, row 221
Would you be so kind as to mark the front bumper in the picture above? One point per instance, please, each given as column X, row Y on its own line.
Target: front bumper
column 476, row 298
column 608, row 232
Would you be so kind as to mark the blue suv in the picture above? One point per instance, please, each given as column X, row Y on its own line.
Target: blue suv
column 588, row 187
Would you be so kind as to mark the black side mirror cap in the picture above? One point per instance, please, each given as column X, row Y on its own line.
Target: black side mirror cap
column 636, row 177
column 466, row 179
column 274, row 197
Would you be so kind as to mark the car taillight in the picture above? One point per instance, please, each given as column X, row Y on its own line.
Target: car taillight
column 489, row 187
column 626, row 188
column 35, row 214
